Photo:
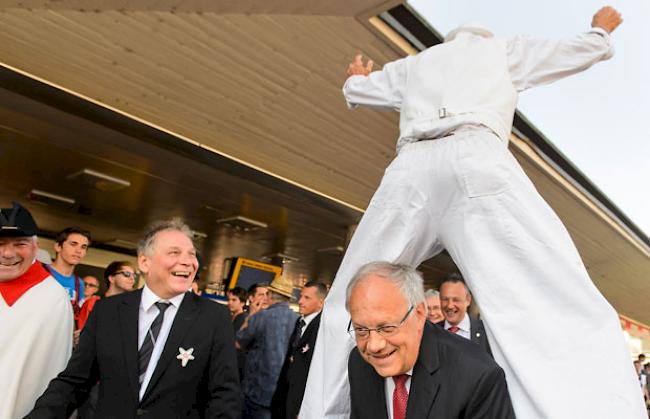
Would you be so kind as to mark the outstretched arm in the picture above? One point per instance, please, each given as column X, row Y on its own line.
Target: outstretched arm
column 533, row 62
column 376, row 89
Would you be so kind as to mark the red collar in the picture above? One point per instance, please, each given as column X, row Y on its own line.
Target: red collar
column 13, row 289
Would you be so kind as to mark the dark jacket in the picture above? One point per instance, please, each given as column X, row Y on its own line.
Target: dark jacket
column 207, row 387
column 237, row 323
column 452, row 378
column 293, row 377
column 476, row 333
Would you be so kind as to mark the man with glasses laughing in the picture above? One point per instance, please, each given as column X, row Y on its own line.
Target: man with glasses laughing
column 403, row 366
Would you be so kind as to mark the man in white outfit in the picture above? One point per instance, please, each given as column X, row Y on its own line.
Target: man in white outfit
column 454, row 185
column 35, row 317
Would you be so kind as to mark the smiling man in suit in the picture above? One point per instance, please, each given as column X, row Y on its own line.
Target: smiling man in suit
column 160, row 352
column 405, row 367
column 455, row 299
column 293, row 376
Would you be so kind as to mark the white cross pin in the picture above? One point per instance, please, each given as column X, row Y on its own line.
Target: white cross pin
column 185, row 356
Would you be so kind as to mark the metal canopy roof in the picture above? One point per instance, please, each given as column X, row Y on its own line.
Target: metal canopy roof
column 251, row 88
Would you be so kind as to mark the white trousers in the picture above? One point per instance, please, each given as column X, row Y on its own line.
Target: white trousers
column 558, row 340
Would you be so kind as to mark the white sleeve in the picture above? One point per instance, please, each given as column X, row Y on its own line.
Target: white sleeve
column 533, row 62
column 381, row 90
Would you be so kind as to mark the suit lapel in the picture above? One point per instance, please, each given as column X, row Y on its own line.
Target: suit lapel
column 377, row 395
column 474, row 334
column 425, row 383
column 311, row 330
column 128, row 314
column 185, row 318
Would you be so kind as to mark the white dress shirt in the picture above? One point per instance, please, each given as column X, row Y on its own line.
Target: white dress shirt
column 147, row 313
column 464, row 327
column 389, row 386
column 308, row 320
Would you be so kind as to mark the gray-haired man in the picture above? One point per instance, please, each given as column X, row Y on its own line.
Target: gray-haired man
column 434, row 313
column 405, row 367
column 159, row 352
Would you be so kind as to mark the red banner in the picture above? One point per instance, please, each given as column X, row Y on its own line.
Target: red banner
column 634, row 328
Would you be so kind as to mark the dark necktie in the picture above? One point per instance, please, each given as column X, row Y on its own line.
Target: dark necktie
column 297, row 334
column 400, row 396
column 454, row 329
column 144, row 355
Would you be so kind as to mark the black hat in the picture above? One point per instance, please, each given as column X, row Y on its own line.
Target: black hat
column 17, row 222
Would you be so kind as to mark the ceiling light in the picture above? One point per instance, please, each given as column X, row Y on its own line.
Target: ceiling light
column 336, row 250
column 48, row 198
column 101, row 181
column 285, row 258
column 239, row 222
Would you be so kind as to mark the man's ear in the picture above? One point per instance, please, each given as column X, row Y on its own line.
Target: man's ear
column 421, row 310
column 143, row 263
column 57, row 247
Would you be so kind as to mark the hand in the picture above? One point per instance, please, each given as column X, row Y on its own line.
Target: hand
column 75, row 337
column 606, row 18
column 356, row 67
column 256, row 305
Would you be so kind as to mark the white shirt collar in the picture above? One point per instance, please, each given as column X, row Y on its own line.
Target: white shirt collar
column 310, row 317
column 149, row 298
column 464, row 324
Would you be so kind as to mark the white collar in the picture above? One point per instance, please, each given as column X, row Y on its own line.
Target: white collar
column 469, row 28
column 310, row 317
column 409, row 373
column 149, row 298
column 464, row 324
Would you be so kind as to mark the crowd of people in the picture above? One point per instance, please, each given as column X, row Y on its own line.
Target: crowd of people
column 162, row 351
column 74, row 353
column 255, row 367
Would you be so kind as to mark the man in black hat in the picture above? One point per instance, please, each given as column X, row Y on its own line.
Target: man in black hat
column 35, row 314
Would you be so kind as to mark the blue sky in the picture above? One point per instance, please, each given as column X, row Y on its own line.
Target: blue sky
column 599, row 119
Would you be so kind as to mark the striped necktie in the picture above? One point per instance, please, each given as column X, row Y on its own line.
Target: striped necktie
column 144, row 354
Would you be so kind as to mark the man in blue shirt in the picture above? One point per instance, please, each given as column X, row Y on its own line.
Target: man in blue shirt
column 71, row 245
column 266, row 335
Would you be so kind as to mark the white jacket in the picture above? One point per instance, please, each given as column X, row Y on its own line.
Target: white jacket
column 471, row 80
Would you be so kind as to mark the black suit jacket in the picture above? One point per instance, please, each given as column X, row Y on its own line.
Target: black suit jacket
column 476, row 332
column 452, row 378
column 293, row 376
column 207, row 387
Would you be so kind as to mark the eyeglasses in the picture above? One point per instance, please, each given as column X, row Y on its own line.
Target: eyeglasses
column 90, row 285
column 362, row 333
column 126, row 274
